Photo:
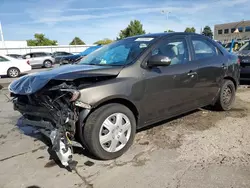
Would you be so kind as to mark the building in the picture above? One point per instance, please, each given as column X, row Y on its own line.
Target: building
column 13, row 44
column 235, row 30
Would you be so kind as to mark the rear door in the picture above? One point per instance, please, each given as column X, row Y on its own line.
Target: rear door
column 211, row 71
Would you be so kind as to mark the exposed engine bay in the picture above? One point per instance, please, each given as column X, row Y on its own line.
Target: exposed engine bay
column 51, row 102
column 54, row 112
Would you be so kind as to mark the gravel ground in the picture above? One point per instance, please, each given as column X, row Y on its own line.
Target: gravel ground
column 203, row 148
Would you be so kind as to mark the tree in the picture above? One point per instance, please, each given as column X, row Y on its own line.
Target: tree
column 104, row 41
column 190, row 30
column 41, row 40
column 169, row 31
column 77, row 41
column 134, row 28
column 207, row 32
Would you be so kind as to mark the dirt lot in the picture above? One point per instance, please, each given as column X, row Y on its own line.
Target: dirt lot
column 201, row 149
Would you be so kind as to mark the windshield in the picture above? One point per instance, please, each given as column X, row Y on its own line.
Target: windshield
column 121, row 52
column 246, row 46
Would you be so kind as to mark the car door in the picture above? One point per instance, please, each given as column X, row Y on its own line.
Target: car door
column 4, row 65
column 211, row 71
column 38, row 59
column 169, row 89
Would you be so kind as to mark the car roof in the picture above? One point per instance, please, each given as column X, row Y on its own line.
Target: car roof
column 157, row 35
column 37, row 53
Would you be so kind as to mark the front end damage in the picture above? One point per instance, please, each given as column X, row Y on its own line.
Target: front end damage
column 54, row 111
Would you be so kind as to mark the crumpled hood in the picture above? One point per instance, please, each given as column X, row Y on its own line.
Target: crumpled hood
column 33, row 82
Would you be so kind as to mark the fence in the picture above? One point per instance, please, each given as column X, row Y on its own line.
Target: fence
column 66, row 48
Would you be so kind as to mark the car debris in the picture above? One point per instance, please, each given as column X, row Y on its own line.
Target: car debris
column 52, row 106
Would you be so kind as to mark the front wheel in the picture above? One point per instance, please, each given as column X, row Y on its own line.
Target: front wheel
column 109, row 131
column 226, row 97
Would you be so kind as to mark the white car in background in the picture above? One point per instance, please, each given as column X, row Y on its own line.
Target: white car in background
column 13, row 67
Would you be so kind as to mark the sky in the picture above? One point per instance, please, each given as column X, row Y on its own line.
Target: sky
column 92, row 20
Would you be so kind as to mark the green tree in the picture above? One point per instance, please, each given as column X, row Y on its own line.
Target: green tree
column 134, row 28
column 41, row 40
column 104, row 41
column 190, row 30
column 77, row 41
column 169, row 31
column 207, row 32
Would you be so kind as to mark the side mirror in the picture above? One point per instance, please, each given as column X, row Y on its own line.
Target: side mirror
column 158, row 60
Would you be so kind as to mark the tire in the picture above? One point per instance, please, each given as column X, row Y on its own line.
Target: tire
column 94, row 130
column 47, row 64
column 226, row 96
column 13, row 72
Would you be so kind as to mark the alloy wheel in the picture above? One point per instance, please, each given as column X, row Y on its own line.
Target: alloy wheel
column 13, row 73
column 47, row 64
column 227, row 95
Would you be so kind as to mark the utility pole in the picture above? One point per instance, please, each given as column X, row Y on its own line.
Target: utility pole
column 167, row 13
column 2, row 38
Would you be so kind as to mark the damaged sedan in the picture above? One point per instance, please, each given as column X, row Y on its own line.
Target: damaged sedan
column 124, row 86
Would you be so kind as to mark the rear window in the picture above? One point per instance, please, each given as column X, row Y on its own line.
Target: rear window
column 3, row 59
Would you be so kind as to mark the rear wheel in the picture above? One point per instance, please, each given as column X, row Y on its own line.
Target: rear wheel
column 109, row 131
column 226, row 97
column 47, row 64
column 13, row 72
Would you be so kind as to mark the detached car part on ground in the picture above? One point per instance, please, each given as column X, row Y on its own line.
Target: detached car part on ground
column 129, row 84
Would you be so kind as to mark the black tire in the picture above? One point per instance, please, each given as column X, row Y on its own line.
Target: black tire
column 47, row 64
column 93, row 125
column 226, row 96
column 13, row 72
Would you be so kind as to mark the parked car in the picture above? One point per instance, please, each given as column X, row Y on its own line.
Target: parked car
column 17, row 56
column 58, row 54
column 244, row 56
column 13, row 67
column 77, row 57
column 124, row 86
column 40, row 59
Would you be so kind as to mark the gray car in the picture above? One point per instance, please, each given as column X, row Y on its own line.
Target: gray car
column 125, row 86
column 40, row 59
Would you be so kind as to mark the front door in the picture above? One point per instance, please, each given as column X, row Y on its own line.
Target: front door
column 169, row 89
column 37, row 59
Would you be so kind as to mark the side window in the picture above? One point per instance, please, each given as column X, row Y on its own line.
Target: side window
column 27, row 56
column 39, row 55
column 2, row 59
column 175, row 49
column 204, row 49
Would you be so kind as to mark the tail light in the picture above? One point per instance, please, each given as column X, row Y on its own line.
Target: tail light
column 28, row 62
column 238, row 61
